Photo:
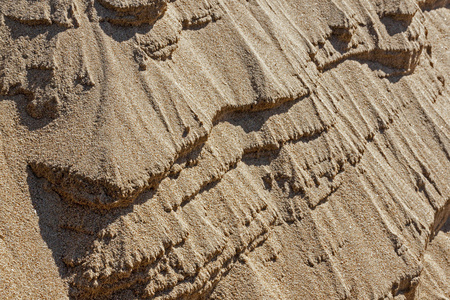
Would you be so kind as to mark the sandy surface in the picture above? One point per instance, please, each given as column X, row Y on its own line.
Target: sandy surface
column 224, row 149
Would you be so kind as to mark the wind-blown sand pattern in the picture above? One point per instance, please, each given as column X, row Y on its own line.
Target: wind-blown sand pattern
column 224, row 149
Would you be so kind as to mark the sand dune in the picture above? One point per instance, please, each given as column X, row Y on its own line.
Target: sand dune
column 220, row 149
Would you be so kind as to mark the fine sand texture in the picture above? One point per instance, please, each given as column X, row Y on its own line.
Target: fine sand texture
column 225, row 149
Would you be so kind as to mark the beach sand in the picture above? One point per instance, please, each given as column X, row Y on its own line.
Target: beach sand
column 224, row 149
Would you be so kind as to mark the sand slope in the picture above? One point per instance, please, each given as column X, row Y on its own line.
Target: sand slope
column 224, row 149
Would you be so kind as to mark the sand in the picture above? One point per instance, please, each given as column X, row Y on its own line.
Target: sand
column 224, row 149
